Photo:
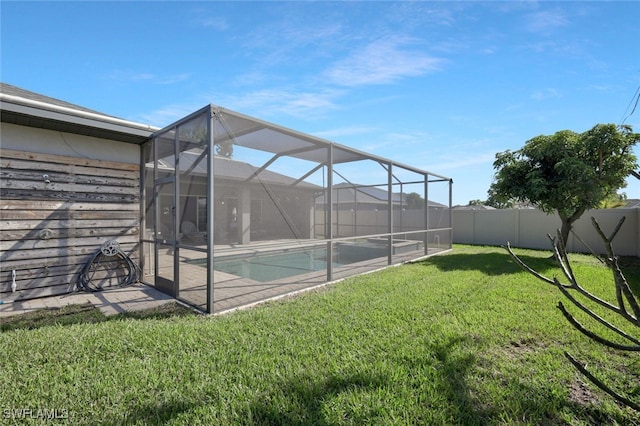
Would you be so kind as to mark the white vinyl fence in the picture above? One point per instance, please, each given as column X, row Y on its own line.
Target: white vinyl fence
column 529, row 229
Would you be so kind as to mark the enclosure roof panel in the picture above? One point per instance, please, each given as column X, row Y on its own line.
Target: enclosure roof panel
column 250, row 132
column 227, row 168
column 257, row 134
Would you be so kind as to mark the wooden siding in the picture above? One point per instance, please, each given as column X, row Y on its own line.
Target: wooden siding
column 55, row 213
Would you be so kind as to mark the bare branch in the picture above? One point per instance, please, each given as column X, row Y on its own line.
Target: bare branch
column 609, row 260
column 575, row 286
column 615, row 231
column 596, row 255
column 563, row 260
column 622, row 286
column 621, row 281
column 598, row 318
column 601, row 340
column 623, row 294
column 527, row 268
column 600, row 384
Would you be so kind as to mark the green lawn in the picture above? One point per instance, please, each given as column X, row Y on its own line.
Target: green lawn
column 463, row 338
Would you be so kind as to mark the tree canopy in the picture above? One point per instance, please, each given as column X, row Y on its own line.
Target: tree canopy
column 566, row 172
column 414, row 200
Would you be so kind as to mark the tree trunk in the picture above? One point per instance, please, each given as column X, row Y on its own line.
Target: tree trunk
column 567, row 224
column 564, row 231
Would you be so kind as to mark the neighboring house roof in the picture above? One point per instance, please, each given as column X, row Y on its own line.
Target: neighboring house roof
column 228, row 168
column 367, row 193
column 26, row 108
column 9, row 89
column 474, row 207
column 632, row 203
column 344, row 193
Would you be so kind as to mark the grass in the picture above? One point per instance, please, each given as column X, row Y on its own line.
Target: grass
column 463, row 338
column 87, row 313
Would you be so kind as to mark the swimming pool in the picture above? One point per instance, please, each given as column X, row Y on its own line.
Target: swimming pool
column 267, row 267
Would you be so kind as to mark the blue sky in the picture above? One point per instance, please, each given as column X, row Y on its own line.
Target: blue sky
column 442, row 86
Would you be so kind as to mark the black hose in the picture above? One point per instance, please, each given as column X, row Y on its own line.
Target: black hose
column 109, row 250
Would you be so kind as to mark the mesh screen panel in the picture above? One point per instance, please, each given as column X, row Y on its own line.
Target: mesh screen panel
column 288, row 211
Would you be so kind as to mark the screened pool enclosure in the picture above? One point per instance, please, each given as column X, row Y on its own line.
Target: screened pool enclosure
column 238, row 210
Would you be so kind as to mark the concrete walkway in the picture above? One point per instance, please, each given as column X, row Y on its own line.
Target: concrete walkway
column 110, row 301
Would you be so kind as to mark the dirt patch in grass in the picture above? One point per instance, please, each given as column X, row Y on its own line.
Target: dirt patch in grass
column 523, row 346
column 580, row 394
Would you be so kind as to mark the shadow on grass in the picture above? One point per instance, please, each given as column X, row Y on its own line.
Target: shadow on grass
column 497, row 263
column 307, row 396
column 541, row 405
column 313, row 400
column 152, row 413
column 528, row 403
column 87, row 313
column 454, row 367
column 489, row 263
column 630, row 267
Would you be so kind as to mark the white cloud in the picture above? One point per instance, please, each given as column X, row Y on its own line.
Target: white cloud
column 421, row 14
column 344, row 131
column 548, row 93
column 216, row 23
column 381, row 62
column 462, row 162
column 546, row 21
column 271, row 102
column 172, row 79
column 600, row 88
column 275, row 43
column 262, row 103
column 489, row 50
column 132, row 76
column 166, row 115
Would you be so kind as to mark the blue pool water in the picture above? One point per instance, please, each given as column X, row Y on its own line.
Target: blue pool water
column 269, row 267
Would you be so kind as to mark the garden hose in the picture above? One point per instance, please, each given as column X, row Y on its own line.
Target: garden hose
column 109, row 249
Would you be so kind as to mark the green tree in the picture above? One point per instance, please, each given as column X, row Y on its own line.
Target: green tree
column 414, row 200
column 498, row 202
column 197, row 136
column 613, row 201
column 566, row 172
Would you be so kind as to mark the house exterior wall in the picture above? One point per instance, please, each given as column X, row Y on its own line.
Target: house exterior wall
column 57, row 210
column 285, row 213
column 43, row 141
column 528, row 228
column 296, row 204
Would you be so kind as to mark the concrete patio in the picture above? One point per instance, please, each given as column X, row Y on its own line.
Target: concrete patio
column 110, row 301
